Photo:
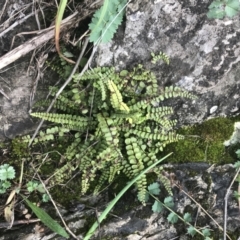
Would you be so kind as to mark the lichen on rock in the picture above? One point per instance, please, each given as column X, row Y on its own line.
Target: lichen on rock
column 235, row 138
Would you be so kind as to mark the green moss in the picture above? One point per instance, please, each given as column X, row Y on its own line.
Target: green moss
column 19, row 148
column 65, row 195
column 204, row 142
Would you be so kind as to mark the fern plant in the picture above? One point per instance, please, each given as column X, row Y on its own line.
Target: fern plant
column 120, row 125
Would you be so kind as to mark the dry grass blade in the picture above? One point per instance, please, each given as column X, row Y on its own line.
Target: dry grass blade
column 35, row 42
column 4, row 27
column 9, row 209
column 225, row 205
column 61, row 9
column 3, row 9
column 202, row 209
column 5, row 225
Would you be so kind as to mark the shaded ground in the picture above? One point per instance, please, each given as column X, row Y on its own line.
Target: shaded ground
column 204, row 183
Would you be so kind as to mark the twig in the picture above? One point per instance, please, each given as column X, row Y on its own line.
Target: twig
column 18, row 22
column 3, row 9
column 39, row 63
column 43, row 15
column 14, row 15
column 6, row 69
column 64, row 85
column 27, row 221
column 36, row 14
column 4, row 94
column 35, row 42
column 225, row 205
column 199, row 205
column 67, row 228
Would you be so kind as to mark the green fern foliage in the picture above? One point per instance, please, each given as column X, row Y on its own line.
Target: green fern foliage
column 69, row 121
column 119, row 122
column 106, row 20
column 160, row 56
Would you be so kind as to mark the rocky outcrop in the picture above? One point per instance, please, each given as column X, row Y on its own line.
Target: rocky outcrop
column 204, row 58
column 17, row 88
column 204, row 53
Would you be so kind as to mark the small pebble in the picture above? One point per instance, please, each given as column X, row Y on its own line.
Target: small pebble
column 213, row 109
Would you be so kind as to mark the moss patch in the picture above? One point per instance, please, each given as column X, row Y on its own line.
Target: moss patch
column 19, row 148
column 204, row 142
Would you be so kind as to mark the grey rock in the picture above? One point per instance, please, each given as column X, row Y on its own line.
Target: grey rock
column 204, row 53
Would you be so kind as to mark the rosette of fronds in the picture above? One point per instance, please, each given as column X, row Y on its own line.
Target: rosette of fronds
column 120, row 125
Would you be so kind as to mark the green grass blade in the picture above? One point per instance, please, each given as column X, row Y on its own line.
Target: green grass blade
column 115, row 200
column 46, row 219
column 59, row 17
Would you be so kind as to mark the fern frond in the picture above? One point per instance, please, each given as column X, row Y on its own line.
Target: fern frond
column 147, row 135
column 172, row 92
column 110, row 132
column 160, row 56
column 142, row 188
column 87, row 176
column 62, row 174
column 67, row 119
column 116, row 98
column 135, row 154
column 165, row 123
column 74, row 148
column 164, row 180
column 101, row 181
column 113, row 170
column 47, row 135
column 157, row 113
